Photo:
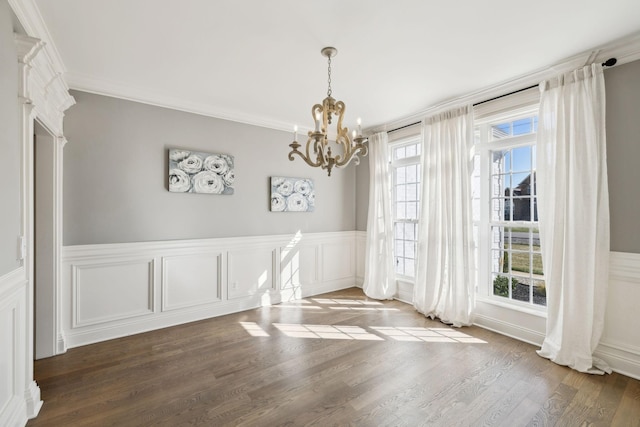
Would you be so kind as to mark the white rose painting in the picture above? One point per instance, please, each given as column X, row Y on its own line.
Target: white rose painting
column 198, row 172
column 292, row 194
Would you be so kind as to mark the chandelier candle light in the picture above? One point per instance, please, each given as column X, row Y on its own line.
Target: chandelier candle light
column 318, row 141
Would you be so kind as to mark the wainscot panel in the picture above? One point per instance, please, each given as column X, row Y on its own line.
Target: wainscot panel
column 98, row 291
column 338, row 261
column 298, row 265
column 190, row 280
column 250, row 272
column 13, row 296
column 114, row 290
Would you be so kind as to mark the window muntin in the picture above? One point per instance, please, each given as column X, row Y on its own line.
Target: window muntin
column 406, row 174
column 506, row 210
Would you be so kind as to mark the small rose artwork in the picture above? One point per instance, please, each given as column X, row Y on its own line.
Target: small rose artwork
column 198, row 172
column 292, row 194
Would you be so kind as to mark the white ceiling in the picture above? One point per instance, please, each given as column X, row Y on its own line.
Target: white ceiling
column 259, row 61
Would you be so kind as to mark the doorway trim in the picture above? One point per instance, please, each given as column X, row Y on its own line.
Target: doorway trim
column 44, row 96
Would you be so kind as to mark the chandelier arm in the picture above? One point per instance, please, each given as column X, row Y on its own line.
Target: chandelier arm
column 307, row 158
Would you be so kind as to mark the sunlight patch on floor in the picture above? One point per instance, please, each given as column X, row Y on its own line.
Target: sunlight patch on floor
column 254, row 329
column 426, row 334
column 345, row 301
column 326, row 332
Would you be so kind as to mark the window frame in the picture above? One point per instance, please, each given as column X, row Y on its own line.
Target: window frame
column 412, row 137
column 483, row 148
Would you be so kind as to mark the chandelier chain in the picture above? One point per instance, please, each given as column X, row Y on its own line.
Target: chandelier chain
column 329, row 79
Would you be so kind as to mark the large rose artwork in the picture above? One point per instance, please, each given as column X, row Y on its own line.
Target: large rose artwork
column 292, row 194
column 198, row 172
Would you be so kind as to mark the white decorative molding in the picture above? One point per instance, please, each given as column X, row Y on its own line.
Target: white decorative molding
column 32, row 399
column 256, row 264
column 620, row 342
column 30, row 17
column 41, row 84
column 625, row 266
column 13, row 414
column 404, row 292
column 509, row 329
column 144, row 96
column 15, row 408
column 299, row 264
column 12, row 282
column 622, row 360
column 338, row 261
column 361, row 242
column 97, row 291
column 250, row 272
column 44, row 96
column 191, row 280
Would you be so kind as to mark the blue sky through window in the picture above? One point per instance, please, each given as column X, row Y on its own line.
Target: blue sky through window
column 520, row 161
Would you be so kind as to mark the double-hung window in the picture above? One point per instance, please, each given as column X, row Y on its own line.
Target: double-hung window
column 505, row 208
column 405, row 185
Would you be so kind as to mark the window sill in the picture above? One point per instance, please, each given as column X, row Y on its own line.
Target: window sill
column 541, row 312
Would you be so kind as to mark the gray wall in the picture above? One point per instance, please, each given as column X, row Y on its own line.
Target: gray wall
column 623, row 155
column 9, row 144
column 115, row 177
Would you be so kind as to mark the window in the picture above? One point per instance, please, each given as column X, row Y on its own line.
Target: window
column 505, row 209
column 406, row 174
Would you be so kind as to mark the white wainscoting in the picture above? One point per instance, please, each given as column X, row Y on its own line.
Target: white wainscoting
column 620, row 343
column 114, row 290
column 13, row 349
column 361, row 242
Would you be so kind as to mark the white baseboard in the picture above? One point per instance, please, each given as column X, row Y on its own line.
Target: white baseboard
column 32, row 399
column 625, row 361
column 14, row 413
column 509, row 329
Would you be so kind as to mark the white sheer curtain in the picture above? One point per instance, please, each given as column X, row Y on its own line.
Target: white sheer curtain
column 573, row 206
column 445, row 284
column 379, row 274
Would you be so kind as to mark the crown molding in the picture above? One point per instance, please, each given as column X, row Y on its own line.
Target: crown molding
column 103, row 87
column 30, row 17
column 625, row 50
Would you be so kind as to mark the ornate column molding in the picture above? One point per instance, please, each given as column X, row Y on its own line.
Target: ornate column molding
column 45, row 97
column 27, row 48
column 40, row 83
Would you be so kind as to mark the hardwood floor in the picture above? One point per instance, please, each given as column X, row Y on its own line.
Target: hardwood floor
column 335, row 359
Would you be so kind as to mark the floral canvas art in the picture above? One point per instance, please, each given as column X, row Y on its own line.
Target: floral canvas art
column 198, row 172
column 292, row 194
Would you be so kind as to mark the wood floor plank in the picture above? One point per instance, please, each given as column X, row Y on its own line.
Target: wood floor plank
column 335, row 359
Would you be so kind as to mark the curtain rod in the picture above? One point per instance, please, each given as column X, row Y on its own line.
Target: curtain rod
column 608, row 63
column 402, row 127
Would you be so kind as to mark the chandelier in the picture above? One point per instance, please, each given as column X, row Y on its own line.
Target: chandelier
column 318, row 151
